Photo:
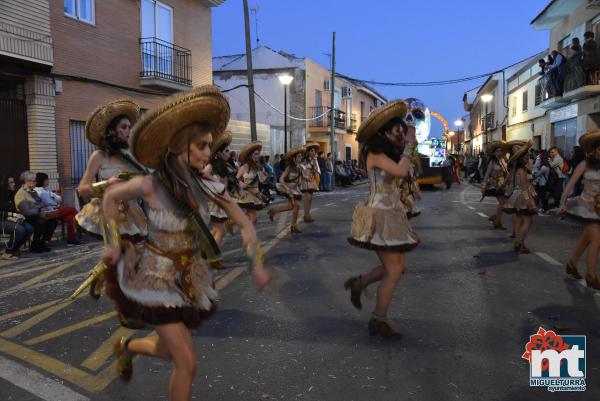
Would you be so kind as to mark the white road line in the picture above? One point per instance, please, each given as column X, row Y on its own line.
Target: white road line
column 329, row 204
column 471, row 207
column 482, row 214
column 36, row 383
column 548, row 259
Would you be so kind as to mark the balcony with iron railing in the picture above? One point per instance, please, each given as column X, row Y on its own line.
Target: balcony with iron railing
column 577, row 84
column 324, row 117
column 165, row 65
column 352, row 125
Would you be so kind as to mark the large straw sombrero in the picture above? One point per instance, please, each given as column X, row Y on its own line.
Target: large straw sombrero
column 95, row 127
column 589, row 140
column 311, row 145
column 154, row 131
column 293, row 152
column 249, row 149
column 220, row 142
column 512, row 146
column 379, row 117
column 491, row 148
column 518, row 153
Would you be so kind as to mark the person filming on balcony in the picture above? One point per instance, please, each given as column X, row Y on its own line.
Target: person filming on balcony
column 590, row 57
column 558, row 68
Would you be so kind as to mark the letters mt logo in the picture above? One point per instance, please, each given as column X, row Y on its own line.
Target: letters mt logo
column 556, row 362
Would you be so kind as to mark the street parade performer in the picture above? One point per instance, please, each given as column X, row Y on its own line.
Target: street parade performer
column 510, row 148
column 410, row 187
column 168, row 283
column 109, row 128
column 381, row 224
column 310, row 176
column 494, row 180
column 586, row 207
column 521, row 195
column 289, row 184
column 250, row 175
column 220, row 169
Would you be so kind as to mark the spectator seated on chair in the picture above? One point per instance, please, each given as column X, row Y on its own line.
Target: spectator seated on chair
column 53, row 202
column 29, row 204
column 13, row 227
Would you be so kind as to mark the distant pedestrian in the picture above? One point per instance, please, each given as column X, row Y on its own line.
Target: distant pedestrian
column 590, row 59
column 328, row 172
column 494, row 181
column 12, row 223
column 556, row 175
column 559, row 69
column 321, row 163
column 541, row 175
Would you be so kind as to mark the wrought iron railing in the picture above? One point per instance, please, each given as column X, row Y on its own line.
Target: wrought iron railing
column 324, row 120
column 164, row 60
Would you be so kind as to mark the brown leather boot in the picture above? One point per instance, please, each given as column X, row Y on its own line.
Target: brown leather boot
column 124, row 359
column 295, row 229
column 383, row 327
column 571, row 268
column 592, row 281
column 356, row 287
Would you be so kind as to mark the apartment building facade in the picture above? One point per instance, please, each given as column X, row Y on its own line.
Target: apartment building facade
column 578, row 109
column 26, row 91
column 526, row 119
column 307, row 101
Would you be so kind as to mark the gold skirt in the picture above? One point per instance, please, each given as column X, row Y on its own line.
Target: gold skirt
column 251, row 198
column 382, row 229
column 131, row 223
column 310, row 185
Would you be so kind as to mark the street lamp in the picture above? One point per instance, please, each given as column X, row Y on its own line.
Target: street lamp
column 486, row 99
column 450, row 135
column 458, row 123
column 285, row 80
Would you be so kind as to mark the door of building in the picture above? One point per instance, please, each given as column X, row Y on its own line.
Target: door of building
column 14, row 152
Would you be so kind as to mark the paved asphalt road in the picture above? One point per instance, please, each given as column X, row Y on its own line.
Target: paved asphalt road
column 466, row 306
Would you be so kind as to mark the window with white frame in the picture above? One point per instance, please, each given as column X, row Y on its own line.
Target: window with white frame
column 81, row 9
column 525, row 101
column 513, row 109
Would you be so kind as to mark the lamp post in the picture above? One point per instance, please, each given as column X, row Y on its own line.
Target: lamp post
column 450, row 135
column 458, row 123
column 486, row 99
column 285, row 80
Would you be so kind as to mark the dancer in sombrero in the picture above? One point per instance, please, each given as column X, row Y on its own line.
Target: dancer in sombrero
column 586, row 207
column 250, row 175
column 381, row 225
column 494, row 180
column 109, row 128
column 289, row 183
column 220, row 169
column 510, row 148
column 521, row 196
column 310, row 177
column 168, row 284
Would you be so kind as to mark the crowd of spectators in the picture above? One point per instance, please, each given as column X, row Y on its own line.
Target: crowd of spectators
column 570, row 68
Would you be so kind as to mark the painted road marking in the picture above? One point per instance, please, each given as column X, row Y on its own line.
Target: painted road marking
column 471, row 207
column 70, row 329
column 36, row 383
column 104, row 351
column 482, row 214
column 40, row 317
column 548, row 259
column 29, row 309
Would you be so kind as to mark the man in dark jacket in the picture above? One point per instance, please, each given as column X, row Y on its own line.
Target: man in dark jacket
column 590, row 57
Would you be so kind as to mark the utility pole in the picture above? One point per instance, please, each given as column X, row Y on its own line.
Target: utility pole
column 253, row 135
column 332, row 115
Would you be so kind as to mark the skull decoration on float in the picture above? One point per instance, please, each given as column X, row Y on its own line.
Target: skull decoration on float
column 419, row 117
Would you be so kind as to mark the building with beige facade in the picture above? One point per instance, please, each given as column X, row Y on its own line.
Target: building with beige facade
column 526, row 119
column 578, row 109
column 308, row 100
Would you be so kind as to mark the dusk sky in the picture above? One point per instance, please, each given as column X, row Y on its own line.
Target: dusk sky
column 394, row 41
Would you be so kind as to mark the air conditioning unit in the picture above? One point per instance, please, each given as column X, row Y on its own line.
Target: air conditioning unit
column 346, row 91
column 327, row 85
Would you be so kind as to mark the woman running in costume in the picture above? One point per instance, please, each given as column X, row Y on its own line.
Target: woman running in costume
column 168, row 283
column 109, row 128
column 309, row 178
column 521, row 195
column 289, row 183
column 494, row 180
column 381, row 224
column 586, row 207
column 250, row 174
